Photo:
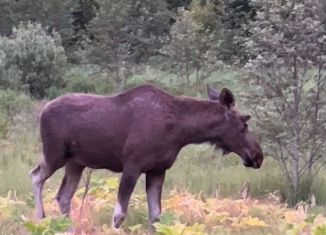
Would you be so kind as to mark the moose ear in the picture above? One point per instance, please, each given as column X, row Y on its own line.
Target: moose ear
column 245, row 118
column 226, row 98
column 213, row 94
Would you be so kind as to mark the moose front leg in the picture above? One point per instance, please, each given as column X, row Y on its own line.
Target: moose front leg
column 154, row 184
column 127, row 184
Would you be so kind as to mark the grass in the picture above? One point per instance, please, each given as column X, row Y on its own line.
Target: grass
column 183, row 213
column 199, row 170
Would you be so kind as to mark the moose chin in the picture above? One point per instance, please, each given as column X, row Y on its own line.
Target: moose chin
column 137, row 131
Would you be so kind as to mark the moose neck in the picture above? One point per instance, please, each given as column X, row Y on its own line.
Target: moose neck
column 199, row 120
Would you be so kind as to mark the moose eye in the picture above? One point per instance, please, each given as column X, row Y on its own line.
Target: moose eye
column 245, row 126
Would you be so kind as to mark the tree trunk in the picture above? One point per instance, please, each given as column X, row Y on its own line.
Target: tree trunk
column 187, row 73
column 295, row 176
column 197, row 74
column 294, row 146
column 315, row 122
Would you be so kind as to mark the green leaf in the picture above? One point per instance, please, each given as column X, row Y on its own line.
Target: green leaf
column 320, row 230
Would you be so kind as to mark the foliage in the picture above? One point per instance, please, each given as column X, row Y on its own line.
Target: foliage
column 174, row 4
column 11, row 105
column 85, row 11
column 195, row 38
column 17, row 133
column 126, row 33
column 238, row 14
column 180, row 229
column 12, row 210
column 49, row 226
column 117, row 44
column 208, row 15
column 31, row 60
column 10, row 207
column 287, row 44
column 189, row 214
column 87, row 79
column 21, row 147
column 52, row 14
column 206, row 213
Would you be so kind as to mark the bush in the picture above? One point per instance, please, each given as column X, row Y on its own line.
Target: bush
column 88, row 79
column 31, row 60
column 11, row 104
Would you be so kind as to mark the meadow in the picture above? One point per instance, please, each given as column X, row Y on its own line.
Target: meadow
column 183, row 213
column 204, row 192
column 271, row 54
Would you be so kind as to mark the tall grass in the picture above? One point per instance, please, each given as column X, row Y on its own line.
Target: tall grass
column 20, row 147
column 202, row 169
column 198, row 168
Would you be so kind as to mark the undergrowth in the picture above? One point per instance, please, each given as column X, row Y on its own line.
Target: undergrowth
column 183, row 213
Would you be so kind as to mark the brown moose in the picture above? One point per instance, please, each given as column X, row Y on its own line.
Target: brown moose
column 137, row 131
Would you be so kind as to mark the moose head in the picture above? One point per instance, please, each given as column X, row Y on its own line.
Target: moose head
column 234, row 135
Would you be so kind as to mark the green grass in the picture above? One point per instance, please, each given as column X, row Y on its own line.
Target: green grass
column 198, row 168
column 203, row 169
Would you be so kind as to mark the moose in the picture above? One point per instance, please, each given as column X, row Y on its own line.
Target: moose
column 137, row 131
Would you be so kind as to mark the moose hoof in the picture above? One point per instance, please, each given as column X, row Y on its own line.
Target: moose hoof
column 70, row 230
column 151, row 227
column 40, row 215
column 154, row 220
column 117, row 220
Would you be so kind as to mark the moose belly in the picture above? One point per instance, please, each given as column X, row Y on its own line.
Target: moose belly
column 99, row 161
column 98, row 152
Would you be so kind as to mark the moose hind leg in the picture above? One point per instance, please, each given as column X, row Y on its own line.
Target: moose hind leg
column 127, row 184
column 73, row 172
column 39, row 175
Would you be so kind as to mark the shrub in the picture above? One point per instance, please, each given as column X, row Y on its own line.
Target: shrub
column 11, row 104
column 88, row 79
column 31, row 60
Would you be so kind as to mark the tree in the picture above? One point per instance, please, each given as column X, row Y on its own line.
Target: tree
column 174, row 4
column 195, row 39
column 5, row 20
column 238, row 13
column 287, row 44
column 126, row 34
column 83, row 14
column 32, row 60
column 52, row 14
